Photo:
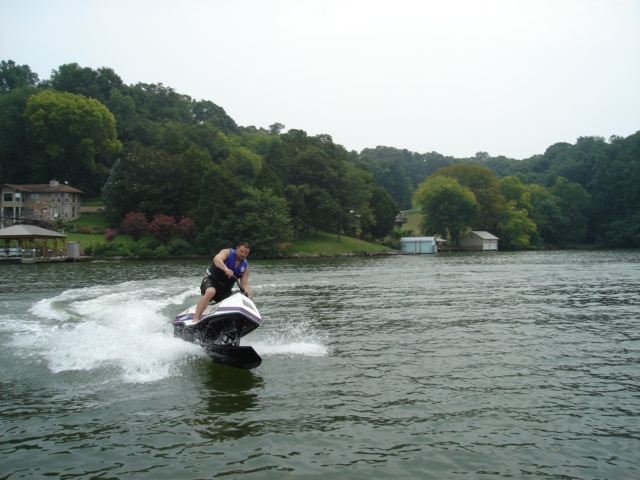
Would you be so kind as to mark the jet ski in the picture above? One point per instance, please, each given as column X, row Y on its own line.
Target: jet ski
column 220, row 328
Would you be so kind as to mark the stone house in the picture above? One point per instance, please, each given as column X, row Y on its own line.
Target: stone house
column 45, row 202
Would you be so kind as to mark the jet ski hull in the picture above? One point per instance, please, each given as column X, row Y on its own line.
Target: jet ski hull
column 220, row 329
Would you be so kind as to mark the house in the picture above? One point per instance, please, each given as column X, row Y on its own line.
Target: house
column 47, row 202
column 479, row 241
column 418, row 245
column 400, row 219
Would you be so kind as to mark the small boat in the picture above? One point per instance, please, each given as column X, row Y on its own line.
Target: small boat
column 220, row 328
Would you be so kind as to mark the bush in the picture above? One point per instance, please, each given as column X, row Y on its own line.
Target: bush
column 392, row 242
column 145, row 253
column 161, row 252
column 110, row 235
column 135, row 224
column 105, row 250
column 163, row 227
column 179, row 246
column 101, row 250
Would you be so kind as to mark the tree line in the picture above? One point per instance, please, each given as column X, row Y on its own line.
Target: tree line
column 148, row 149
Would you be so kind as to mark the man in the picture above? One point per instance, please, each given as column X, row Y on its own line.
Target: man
column 219, row 281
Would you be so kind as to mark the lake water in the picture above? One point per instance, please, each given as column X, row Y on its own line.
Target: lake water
column 494, row 365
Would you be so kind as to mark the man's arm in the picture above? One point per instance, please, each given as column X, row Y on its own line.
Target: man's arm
column 219, row 260
column 244, row 282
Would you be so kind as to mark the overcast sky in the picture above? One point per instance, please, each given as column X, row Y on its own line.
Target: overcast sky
column 507, row 77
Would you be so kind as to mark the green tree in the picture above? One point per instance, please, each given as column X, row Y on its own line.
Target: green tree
column 279, row 160
column 205, row 111
column 127, row 119
column 70, row 135
column 544, row 212
column 98, row 84
column 158, row 103
column 384, row 210
column 615, row 193
column 485, row 186
column 321, row 173
column 150, row 181
column 267, row 178
column 512, row 189
column 449, row 208
column 261, row 219
column 515, row 228
column 574, row 202
column 353, row 195
column 210, row 139
column 14, row 76
column 243, row 163
column 13, row 141
column 220, row 192
column 297, row 199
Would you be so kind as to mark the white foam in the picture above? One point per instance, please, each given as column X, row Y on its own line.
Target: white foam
column 119, row 326
column 291, row 336
column 123, row 329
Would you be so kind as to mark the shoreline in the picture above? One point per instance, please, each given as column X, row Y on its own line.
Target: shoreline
column 294, row 256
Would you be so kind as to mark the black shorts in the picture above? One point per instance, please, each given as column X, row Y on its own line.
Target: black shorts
column 222, row 291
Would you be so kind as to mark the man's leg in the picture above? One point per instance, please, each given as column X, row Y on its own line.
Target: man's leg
column 203, row 302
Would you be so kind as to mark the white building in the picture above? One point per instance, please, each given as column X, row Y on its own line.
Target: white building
column 479, row 241
column 418, row 244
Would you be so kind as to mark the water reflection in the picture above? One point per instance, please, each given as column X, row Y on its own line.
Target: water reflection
column 226, row 394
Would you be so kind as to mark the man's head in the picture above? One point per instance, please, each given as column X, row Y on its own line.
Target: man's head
column 242, row 250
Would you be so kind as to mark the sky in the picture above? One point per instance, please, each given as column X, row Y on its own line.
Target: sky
column 457, row 77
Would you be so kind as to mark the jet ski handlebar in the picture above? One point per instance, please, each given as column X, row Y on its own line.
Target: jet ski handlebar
column 242, row 290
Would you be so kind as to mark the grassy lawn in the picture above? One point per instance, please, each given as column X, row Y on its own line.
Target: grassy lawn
column 98, row 222
column 328, row 244
column 91, row 220
column 414, row 218
column 322, row 244
column 87, row 239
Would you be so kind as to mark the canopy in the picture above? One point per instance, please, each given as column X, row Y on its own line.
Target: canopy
column 33, row 240
column 21, row 232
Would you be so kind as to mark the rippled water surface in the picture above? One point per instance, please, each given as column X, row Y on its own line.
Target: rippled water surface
column 500, row 365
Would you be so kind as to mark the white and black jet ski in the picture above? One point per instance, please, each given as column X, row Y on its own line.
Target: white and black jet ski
column 220, row 329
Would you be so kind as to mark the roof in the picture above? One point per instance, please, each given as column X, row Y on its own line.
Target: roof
column 417, row 239
column 44, row 188
column 484, row 235
column 28, row 231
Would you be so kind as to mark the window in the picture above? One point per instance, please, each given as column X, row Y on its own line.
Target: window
column 7, row 197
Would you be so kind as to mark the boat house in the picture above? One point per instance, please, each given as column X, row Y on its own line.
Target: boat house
column 418, row 245
column 479, row 241
column 30, row 244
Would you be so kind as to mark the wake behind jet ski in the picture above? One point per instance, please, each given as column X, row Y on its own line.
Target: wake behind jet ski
column 220, row 328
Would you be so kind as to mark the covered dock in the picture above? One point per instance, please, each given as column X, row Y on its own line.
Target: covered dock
column 30, row 243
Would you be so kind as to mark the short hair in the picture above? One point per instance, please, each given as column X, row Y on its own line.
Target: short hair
column 244, row 244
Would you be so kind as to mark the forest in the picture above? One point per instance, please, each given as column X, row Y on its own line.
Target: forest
column 146, row 150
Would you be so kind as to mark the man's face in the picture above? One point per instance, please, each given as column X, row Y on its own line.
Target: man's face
column 242, row 252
